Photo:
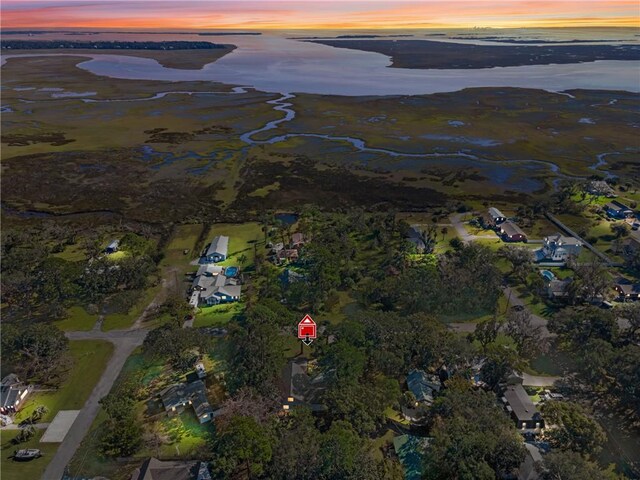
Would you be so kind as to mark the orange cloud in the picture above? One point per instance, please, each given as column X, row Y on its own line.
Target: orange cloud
column 268, row 14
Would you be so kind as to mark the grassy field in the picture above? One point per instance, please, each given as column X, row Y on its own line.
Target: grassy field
column 119, row 321
column 242, row 239
column 217, row 315
column 78, row 320
column 72, row 253
column 10, row 470
column 186, row 435
column 90, row 357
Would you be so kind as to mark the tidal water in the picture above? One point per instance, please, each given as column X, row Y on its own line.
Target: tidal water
column 274, row 63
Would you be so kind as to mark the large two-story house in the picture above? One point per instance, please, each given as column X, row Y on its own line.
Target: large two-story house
column 558, row 248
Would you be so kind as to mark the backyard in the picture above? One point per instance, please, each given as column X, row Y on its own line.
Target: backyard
column 90, row 358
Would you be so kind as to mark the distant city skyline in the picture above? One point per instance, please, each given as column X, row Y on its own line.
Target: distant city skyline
column 317, row 14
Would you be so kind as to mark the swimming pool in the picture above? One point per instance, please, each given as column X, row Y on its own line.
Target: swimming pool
column 231, row 271
column 548, row 275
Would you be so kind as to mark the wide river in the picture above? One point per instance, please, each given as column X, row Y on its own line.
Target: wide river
column 273, row 63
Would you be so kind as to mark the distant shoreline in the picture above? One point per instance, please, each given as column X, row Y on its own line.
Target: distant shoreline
column 430, row 54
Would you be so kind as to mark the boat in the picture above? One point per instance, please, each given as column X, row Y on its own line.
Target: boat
column 26, row 454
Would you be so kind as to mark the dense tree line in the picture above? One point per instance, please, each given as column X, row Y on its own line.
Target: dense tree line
column 606, row 356
column 107, row 45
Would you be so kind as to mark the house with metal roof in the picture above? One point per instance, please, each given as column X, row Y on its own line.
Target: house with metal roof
column 112, row 247
column 218, row 249
column 497, row 217
column 511, row 232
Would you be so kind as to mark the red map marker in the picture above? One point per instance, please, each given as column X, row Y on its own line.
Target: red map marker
column 307, row 330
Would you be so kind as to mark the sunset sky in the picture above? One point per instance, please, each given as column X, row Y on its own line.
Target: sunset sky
column 268, row 14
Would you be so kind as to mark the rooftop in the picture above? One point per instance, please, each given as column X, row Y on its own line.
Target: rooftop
column 219, row 244
column 520, row 403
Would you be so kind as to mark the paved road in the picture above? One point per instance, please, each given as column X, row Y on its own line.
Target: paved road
column 125, row 341
column 465, row 236
column 536, row 320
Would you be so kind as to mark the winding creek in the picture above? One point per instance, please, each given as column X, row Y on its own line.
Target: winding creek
column 279, row 65
column 282, row 105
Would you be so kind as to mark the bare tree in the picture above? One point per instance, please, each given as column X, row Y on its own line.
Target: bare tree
column 527, row 336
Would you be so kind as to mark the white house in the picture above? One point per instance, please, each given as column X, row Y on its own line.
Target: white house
column 558, row 248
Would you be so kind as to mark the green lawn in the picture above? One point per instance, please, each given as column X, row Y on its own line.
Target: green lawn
column 186, row 434
column 475, row 317
column 120, row 321
column 71, row 253
column 78, row 320
column 217, row 315
column 89, row 360
column 242, row 238
column 185, row 237
column 10, row 470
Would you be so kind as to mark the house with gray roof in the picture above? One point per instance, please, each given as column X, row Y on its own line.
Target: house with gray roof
column 423, row 386
column 13, row 394
column 497, row 217
column 154, row 469
column 176, row 398
column 211, row 287
column 218, row 250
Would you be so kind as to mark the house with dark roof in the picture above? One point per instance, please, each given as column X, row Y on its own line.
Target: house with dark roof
column 496, row 216
column 13, row 394
column 521, row 409
column 631, row 246
column 218, row 250
column 558, row 248
column 619, row 210
column 511, row 232
column 423, row 386
column 175, row 399
column 154, row 469
column 301, row 387
column 628, row 291
column 558, row 289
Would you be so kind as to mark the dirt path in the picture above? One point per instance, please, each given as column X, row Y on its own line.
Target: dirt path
column 465, row 236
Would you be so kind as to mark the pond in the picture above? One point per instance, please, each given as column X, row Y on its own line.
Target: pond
column 287, row 218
